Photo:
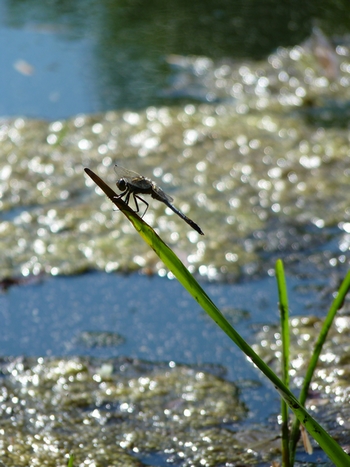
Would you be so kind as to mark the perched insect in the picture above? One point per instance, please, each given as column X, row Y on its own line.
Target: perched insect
column 132, row 183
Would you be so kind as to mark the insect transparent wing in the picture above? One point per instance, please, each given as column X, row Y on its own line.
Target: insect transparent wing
column 125, row 173
column 162, row 194
column 132, row 178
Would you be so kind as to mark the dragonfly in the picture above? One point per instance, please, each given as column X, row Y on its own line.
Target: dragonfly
column 133, row 184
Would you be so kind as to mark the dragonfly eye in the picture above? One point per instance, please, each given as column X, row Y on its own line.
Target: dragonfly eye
column 121, row 184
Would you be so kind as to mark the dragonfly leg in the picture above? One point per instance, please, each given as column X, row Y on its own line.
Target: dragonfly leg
column 127, row 197
column 136, row 203
column 125, row 193
column 121, row 195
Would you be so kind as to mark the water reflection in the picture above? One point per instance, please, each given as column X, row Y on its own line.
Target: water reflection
column 123, row 46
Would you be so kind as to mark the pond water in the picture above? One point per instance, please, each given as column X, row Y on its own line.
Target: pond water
column 154, row 317
column 63, row 59
column 236, row 113
column 109, row 316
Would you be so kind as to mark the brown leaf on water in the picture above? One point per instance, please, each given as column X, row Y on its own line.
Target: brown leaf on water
column 306, row 441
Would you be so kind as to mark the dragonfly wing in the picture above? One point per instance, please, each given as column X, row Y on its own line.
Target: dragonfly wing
column 141, row 182
column 161, row 195
column 168, row 201
column 127, row 174
column 132, row 178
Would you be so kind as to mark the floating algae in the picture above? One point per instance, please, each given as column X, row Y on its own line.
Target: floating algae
column 119, row 412
column 254, row 171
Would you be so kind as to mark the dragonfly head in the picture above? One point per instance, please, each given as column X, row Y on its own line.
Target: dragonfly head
column 121, row 184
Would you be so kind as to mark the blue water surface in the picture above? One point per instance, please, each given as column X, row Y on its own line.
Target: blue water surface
column 157, row 318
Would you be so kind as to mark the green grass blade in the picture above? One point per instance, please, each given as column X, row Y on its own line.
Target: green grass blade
column 70, row 461
column 284, row 316
column 284, row 312
column 336, row 305
column 172, row 262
